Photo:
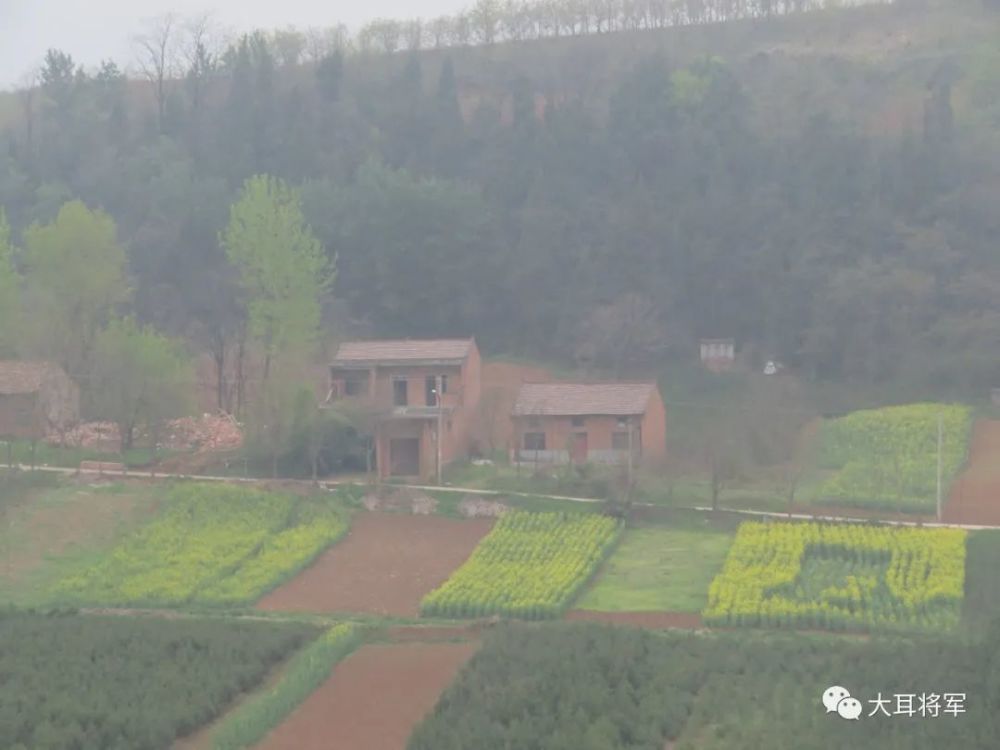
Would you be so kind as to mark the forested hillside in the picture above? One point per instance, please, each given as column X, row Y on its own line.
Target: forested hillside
column 821, row 186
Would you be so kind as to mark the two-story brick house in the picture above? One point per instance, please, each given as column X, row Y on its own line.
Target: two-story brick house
column 401, row 380
column 558, row 423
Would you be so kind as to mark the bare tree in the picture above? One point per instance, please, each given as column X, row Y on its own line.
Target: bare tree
column 413, row 32
column 491, row 417
column 387, row 34
column 485, row 18
column 461, row 29
column 199, row 45
column 723, row 446
column 512, row 19
column 365, row 39
column 439, row 30
column 317, row 44
column 156, row 57
column 627, row 331
column 27, row 93
column 289, row 46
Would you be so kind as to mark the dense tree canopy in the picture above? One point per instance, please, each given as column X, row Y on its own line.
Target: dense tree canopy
column 551, row 211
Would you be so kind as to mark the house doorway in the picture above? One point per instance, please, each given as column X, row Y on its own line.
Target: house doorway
column 578, row 448
column 404, row 457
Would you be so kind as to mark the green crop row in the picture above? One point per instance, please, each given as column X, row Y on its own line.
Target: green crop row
column 530, row 565
column 306, row 671
column 213, row 544
column 315, row 527
column 888, row 457
column 840, row 577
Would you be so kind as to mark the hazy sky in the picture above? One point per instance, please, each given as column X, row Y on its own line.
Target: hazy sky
column 94, row 29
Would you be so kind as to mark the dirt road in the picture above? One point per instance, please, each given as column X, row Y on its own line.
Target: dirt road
column 975, row 494
column 373, row 700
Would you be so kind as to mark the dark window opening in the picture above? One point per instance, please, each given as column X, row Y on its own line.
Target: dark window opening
column 534, row 441
column 356, row 386
column 399, row 393
column 577, row 421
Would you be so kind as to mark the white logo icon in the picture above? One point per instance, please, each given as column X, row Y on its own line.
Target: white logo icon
column 834, row 695
column 849, row 708
column 838, row 700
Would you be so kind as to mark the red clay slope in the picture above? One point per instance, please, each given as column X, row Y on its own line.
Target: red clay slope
column 975, row 494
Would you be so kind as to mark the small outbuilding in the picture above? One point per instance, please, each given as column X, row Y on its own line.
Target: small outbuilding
column 37, row 399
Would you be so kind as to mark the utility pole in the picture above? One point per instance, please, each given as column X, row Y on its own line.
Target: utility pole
column 629, row 454
column 440, row 415
column 940, row 439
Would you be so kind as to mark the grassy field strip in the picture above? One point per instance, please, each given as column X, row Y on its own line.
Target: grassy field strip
column 49, row 530
column 306, row 671
column 659, row 569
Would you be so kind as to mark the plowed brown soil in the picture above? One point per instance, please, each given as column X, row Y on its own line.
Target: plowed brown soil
column 651, row 620
column 373, row 700
column 384, row 566
column 975, row 494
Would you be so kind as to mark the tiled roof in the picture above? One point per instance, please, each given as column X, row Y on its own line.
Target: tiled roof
column 23, row 377
column 408, row 350
column 578, row 399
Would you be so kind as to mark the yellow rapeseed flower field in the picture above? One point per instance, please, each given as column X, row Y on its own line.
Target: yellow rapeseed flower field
column 840, row 576
column 530, row 566
column 214, row 544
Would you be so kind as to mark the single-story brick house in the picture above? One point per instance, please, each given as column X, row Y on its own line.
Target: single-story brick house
column 37, row 399
column 558, row 423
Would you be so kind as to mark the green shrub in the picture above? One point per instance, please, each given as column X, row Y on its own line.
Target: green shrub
column 306, row 671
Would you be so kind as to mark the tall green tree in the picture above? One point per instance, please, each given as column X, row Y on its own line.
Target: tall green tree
column 283, row 271
column 10, row 293
column 140, row 379
column 74, row 279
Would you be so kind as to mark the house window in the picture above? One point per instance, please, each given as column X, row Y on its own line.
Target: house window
column 399, row 392
column 622, row 423
column 355, row 386
column 430, row 388
column 577, row 421
column 534, row 441
column 619, row 441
